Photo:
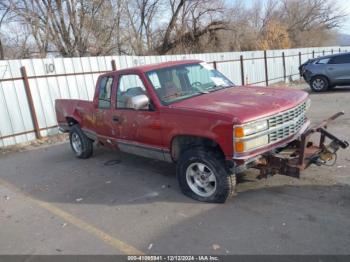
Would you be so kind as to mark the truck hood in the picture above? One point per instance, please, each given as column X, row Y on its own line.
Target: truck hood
column 244, row 103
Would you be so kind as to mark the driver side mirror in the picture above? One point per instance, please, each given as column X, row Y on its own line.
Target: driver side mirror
column 139, row 102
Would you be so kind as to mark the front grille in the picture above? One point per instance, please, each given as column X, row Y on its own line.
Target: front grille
column 296, row 117
column 286, row 131
column 287, row 115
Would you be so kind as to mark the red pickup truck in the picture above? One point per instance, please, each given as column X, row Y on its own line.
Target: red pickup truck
column 188, row 113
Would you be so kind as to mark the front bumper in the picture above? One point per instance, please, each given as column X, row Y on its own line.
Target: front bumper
column 307, row 75
column 300, row 153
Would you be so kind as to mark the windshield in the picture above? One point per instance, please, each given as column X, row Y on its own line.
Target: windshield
column 184, row 81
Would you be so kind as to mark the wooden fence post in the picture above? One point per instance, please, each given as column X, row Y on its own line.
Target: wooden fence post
column 114, row 66
column 284, row 67
column 242, row 69
column 266, row 70
column 30, row 102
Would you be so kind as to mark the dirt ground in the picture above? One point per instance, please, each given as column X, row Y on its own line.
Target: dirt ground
column 53, row 203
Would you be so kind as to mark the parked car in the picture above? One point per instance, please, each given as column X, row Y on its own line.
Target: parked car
column 188, row 113
column 324, row 73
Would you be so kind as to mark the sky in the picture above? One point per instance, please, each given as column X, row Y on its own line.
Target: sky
column 343, row 5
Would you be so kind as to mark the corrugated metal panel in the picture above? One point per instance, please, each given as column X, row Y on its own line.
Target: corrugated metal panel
column 52, row 81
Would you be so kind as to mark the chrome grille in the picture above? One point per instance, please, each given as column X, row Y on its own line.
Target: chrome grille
column 287, row 131
column 287, row 115
column 296, row 117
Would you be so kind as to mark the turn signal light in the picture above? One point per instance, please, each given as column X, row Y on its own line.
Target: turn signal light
column 239, row 147
column 239, row 132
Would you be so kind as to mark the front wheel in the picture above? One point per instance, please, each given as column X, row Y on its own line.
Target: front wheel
column 202, row 176
column 319, row 84
column 80, row 143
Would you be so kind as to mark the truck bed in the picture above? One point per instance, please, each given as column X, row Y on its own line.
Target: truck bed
column 72, row 108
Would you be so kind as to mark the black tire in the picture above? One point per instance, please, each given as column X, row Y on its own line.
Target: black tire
column 319, row 84
column 225, row 181
column 86, row 148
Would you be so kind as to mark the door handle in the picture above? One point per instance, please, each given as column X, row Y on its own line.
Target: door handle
column 116, row 119
column 330, row 68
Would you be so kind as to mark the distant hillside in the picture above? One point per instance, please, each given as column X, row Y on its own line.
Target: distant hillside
column 344, row 39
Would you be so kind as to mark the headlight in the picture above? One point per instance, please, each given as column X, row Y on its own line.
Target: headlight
column 242, row 146
column 251, row 128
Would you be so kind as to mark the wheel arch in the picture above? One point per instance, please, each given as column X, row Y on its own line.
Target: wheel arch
column 181, row 143
column 71, row 121
column 318, row 75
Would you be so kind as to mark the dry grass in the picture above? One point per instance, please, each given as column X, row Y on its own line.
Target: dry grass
column 45, row 141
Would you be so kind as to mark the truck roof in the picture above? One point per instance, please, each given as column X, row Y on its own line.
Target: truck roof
column 150, row 67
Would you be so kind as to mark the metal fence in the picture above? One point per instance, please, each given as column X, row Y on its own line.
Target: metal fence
column 29, row 87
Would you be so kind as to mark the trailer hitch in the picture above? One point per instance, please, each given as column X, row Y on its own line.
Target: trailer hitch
column 301, row 153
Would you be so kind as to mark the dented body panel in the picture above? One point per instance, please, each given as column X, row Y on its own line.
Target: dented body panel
column 209, row 117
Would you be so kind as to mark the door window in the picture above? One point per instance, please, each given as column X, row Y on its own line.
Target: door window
column 128, row 87
column 323, row 61
column 105, row 90
column 340, row 59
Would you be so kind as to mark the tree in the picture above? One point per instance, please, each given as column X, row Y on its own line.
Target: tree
column 143, row 27
column 4, row 12
column 274, row 36
column 72, row 27
column 141, row 14
column 190, row 22
column 305, row 19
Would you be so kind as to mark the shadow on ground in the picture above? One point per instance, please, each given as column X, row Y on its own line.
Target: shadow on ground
column 53, row 174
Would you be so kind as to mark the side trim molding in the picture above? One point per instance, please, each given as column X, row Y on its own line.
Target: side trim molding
column 144, row 150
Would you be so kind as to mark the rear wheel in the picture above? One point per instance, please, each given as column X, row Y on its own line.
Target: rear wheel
column 319, row 84
column 202, row 176
column 81, row 145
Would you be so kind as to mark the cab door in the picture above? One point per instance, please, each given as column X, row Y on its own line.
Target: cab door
column 103, row 124
column 139, row 130
column 338, row 68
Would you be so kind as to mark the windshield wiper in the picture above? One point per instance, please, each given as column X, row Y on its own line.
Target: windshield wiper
column 201, row 91
column 217, row 87
column 184, row 94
